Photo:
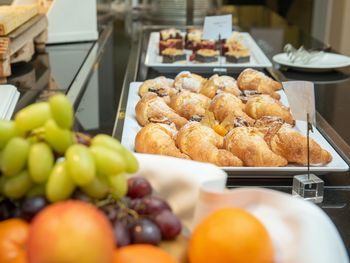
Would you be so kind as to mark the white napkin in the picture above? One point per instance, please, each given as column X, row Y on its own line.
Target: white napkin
column 301, row 231
column 8, row 100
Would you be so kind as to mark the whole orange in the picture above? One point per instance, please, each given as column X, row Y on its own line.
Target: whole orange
column 230, row 235
column 70, row 232
column 142, row 254
column 13, row 239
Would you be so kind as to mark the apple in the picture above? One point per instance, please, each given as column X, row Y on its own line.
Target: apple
column 70, row 232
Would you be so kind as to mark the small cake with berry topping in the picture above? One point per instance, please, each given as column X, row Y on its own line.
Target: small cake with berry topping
column 170, row 33
column 237, row 56
column 193, row 37
column 171, row 55
column 206, row 55
column 170, row 43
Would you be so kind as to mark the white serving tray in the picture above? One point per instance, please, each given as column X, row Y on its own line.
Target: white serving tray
column 131, row 127
column 257, row 58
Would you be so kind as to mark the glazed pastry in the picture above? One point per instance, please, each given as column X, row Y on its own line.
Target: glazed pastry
column 188, row 104
column 161, row 86
column 202, row 144
column 206, row 55
column 249, row 145
column 225, row 103
column 157, row 138
column 292, row 145
column 251, row 79
column 171, row 55
column 189, row 81
column 152, row 108
column 217, row 84
column 237, row 56
column 264, row 105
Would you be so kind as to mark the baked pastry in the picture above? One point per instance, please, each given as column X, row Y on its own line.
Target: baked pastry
column 264, row 105
column 170, row 43
column 193, row 37
column 292, row 145
column 152, row 108
column 206, row 55
column 249, row 145
column 225, row 103
column 188, row 104
column 237, row 118
column 189, row 81
column 237, row 56
column 157, row 138
column 217, row 84
column 171, row 55
column 170, row 33
column 202, row 144
column 161, row 86
column 250, row 79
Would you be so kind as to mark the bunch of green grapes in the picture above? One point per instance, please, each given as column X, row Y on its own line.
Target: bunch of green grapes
column 39, row 155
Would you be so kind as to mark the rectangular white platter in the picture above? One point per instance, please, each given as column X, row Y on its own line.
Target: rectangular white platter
column 257, row 58
column 131, row 128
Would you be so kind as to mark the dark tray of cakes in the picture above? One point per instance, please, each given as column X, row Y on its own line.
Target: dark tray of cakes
column 171, row 48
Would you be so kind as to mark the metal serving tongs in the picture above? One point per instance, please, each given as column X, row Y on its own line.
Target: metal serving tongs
column 302, row 55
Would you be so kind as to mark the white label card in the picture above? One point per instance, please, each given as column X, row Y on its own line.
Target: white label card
column 301, row 98
column 215, row 26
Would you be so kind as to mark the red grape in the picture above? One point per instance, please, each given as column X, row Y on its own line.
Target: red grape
column 121, row 233
column 168, row 223
column 152, row 205
column 32, row 206
column 145, row 231
column 138, row 187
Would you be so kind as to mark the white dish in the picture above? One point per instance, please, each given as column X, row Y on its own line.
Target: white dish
column 327, row 61
column 8, row 100
column 257, row 58
column 131, row 128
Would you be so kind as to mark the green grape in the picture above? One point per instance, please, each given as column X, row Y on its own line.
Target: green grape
column 17, row 186
column 7, row 131
column 60, row 185
column 36, row 190
column 14, row 156
column 98, row 188
column 118, row 185
column 59, row 139
column 80, row 164
column 40, row 162
column 109, row 142
column 107, row 161
column 32, row 116
column 61, row 110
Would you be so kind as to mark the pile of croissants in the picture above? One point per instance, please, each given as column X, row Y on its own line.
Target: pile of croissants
column 222, row 121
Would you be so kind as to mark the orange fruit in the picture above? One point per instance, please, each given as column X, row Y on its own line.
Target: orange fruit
column 230, row 235
column 142, row 254
column 13, row 238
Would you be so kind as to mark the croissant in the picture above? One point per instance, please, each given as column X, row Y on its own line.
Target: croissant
column 161, row 86
column 189, row 81
column 248, row 144
column 157, row 138
column 225, row 103
column 237, row 118
column 250, row 79
column 217, row 84
column 264, row 105
column 152, row 108
column 188, row 104
column 292, row 145
column 202, row 143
